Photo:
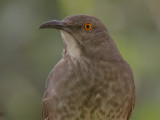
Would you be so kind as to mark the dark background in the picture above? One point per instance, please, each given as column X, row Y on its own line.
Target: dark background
column 27, row 54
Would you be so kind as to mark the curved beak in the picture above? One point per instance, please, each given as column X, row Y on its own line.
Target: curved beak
column 54, row 24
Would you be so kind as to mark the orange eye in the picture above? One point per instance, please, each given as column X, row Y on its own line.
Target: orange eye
column 87, row 26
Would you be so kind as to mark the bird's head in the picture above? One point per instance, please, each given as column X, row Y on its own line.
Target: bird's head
column 84, row 35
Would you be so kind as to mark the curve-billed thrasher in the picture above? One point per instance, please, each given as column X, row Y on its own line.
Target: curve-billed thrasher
column 92, row 81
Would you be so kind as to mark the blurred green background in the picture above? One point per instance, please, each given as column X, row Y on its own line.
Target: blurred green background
column 27, row 54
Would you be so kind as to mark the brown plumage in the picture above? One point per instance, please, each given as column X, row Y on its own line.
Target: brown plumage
column 92, row 81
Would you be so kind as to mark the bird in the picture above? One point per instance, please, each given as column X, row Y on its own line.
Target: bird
column 92, row 81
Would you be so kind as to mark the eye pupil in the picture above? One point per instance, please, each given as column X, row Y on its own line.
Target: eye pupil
column 88, row 26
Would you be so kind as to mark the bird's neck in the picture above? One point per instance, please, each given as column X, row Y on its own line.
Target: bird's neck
column 106, row 51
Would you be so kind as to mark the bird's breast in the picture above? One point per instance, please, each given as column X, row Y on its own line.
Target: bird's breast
column 101, row 90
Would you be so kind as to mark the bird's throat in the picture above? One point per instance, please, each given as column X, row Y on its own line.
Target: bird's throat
column 72, row 48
